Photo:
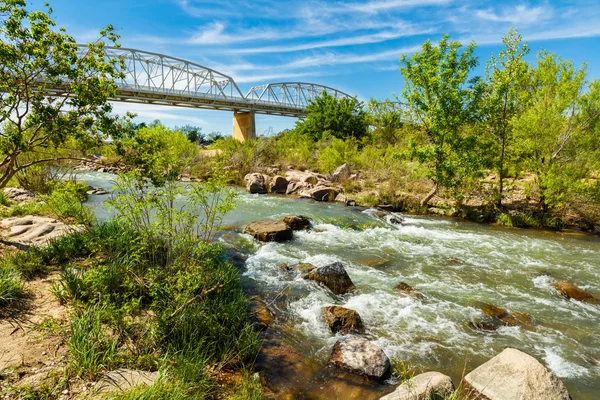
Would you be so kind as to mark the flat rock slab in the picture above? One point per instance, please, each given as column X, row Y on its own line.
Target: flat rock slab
column 361, row 357
column 514, row 375
column 423, row 387
column 123, row 380
column 18, row 195
column 270, row 231
column 34, row 231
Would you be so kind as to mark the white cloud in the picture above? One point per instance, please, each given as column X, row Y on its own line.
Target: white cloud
column 152, row 112
column 519, row 15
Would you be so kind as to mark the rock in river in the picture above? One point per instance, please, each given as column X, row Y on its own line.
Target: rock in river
column 297, row 222
column 407, row 289
column 269, row 230
column 278, row 184
column 514, row 375
column 343, row 320
column 321, row 193
column 430, row 385
column 333, row 276
column 256, row 183
column 570, row 291
column 260, row 316
column 361, row 357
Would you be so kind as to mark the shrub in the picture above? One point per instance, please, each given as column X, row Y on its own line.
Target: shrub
column 11, row 286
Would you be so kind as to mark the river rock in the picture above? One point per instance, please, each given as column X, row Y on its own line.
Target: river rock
column 343, row 320
column 18, row 195
column 514, row 375
column 570, row 291
column 407, row 289
column 333, row 276
column 321, row 193
column 269, row 230
column 361, row 357
column 256, row 183
column 341, row 173
column 297, row 222
column 278, row 184
column 96, row 191
column 124, row 380
column 260, row 316
column 304, row 267
column 342, row 198
column 33, row 230
column 429, row 385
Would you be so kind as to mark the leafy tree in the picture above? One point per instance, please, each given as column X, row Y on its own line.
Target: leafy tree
column 157, row 153
column 330, row 116
column 36, row 59
column 193, row 133
column 505, row 97
column 442, row 100
column 386, row 119
column 558, row 132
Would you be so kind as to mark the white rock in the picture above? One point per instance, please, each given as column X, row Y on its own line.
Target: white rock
column 423, row 387
column 514, row 375
column 359, row 356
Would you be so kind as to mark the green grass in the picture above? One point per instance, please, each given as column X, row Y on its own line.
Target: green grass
column 11, row 286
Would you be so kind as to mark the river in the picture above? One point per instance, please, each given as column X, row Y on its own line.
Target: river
column 456, row 265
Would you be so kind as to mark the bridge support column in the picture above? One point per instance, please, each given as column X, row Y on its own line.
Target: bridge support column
column 244, row 126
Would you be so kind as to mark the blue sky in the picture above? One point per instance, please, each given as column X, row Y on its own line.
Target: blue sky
column 353, row 46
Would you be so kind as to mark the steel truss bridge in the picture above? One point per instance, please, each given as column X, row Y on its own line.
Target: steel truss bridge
column 152, row 78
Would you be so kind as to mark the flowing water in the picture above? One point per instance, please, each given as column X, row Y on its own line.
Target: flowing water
column 457, row 265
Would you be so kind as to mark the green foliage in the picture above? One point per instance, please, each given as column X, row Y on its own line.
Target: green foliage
column 11, row 286
column 330, row 116
column 65, row 202
column 193, row 133
column 385, row 119
column 442, row 100
column 32, row 46
column 336, row 152
column 157, row 152
column 402, row 370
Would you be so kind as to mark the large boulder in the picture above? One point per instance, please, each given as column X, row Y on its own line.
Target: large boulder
column 570, row 291
column 256, row 183
column 341, row 173
column 514, row 375
column 296, row 186
column 343, row 320
column 124, row 380
column 260, row 316
column 430, row 385
column 278, row 184
column 361, row 357
column 321, row 193
column 18, row 195
column 297, row 222
column 333, row 276
column 269, row 230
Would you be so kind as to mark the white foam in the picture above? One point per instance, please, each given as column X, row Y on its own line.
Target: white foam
column 562, row 367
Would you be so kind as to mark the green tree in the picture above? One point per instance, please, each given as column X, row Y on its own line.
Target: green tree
column 442, row 100
column 505, row 96
column 558, row 132
column 193, row 133
column 385, row 119
column 157, row 152
column 330, row 116
column 36, row 59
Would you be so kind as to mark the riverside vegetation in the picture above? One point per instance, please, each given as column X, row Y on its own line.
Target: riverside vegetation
column 151, row 294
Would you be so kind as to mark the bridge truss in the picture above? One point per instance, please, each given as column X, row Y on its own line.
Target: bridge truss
column 153, row 78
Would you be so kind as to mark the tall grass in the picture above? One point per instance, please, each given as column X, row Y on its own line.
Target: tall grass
column 11, row 286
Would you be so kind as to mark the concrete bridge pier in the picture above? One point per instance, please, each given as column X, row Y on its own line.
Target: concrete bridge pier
column 244, row 126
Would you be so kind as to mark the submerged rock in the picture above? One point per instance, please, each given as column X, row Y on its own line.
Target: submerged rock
column 333, row 276
column 497, row 317
column 270, row 231
column 361, row 357
column 278, row 184
column 514, row 375
column 18, row 195
column 256, row 183
column 297, row 222
column 260, row 316
column 407, row 289
column 429, row 385
column 343, row 320
column 124, row 380
column 570, row 291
